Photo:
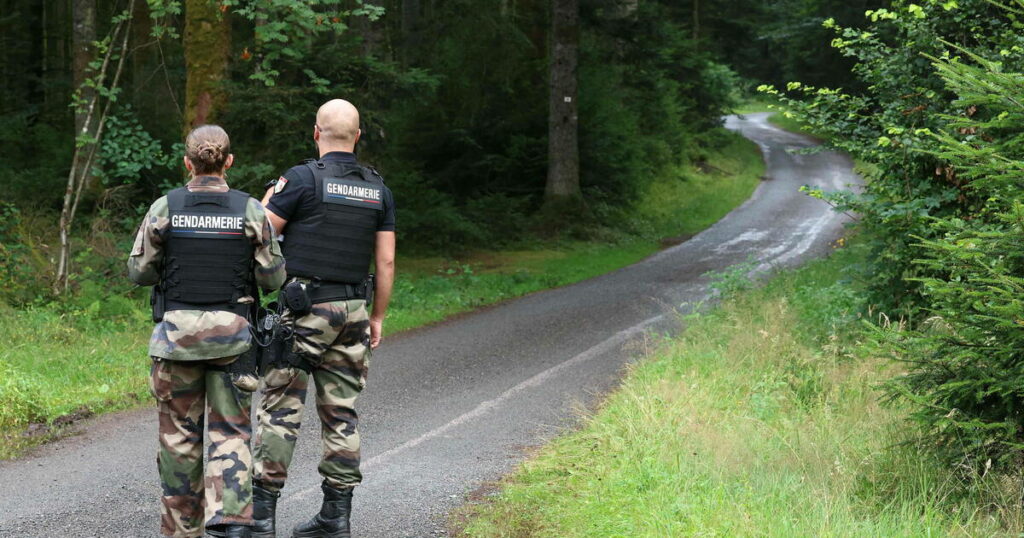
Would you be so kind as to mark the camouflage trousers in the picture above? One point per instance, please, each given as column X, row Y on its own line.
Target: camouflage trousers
column 337, row 334
column 189, row 394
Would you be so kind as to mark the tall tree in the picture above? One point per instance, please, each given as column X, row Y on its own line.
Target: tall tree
column 563, row 120
column 207, row 49
column 410, row 21
column 696, row 20
column 83, row 35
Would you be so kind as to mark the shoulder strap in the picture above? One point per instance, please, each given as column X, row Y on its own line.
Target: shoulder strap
column 176, row 199
column 317, row 169
column 372, row 172
column 240, row 196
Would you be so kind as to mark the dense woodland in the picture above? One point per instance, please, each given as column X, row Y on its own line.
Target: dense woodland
column 503, row 123
column 467, row 107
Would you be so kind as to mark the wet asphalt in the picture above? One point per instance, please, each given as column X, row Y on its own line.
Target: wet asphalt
column 452, row 407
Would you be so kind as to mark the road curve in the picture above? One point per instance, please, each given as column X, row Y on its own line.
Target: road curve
column 454, row 405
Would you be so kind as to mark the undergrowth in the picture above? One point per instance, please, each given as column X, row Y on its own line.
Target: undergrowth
column 761, row 419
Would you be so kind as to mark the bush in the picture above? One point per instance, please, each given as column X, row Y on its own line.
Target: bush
column 967, row 362
column 15, row 268
column 888, row 126
column 941, row 121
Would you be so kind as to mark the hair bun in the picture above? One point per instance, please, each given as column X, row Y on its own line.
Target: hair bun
column 207, row 146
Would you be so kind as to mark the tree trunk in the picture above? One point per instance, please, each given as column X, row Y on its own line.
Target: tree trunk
column 696, row 20
column 371, row 33
column 83, row 35
column 56, row 30
column 563, row 137
column 207, row 48
column 142, row 57
column 410, row 27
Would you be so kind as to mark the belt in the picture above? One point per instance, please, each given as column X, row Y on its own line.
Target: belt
column 325, row 292
column 241, row 309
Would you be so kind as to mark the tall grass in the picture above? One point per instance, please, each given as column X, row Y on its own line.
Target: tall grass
column 762, row 419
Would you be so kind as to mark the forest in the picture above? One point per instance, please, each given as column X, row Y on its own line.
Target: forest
column 455, row 99
column 510, row 129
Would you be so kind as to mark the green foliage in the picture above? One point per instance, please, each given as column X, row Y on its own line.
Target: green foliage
column 965, row 364
column 733, row 279
column 889, row 126
column 940, row 120
column 15, row 267
column 287, row 30
column 128, row 153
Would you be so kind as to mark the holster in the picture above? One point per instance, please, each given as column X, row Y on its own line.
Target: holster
column 369, row 286
column 281, row 354
column 158, row 303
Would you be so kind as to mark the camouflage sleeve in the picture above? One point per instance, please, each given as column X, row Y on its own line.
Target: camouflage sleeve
column 147, row 252
column 270, row 272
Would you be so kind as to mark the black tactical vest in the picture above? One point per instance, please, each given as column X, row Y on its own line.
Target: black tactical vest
column 208, row 262
column 335, row 243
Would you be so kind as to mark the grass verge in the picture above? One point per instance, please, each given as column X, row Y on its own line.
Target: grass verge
column 761, row 419
column 89, row 357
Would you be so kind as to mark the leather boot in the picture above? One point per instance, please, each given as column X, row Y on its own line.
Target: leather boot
column 228, row 531
column 332, row 521
column 264, row 511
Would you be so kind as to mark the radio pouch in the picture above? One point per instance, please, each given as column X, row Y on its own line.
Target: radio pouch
column 296, row 299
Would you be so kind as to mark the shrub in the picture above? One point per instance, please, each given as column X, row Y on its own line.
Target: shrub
column 967, row 363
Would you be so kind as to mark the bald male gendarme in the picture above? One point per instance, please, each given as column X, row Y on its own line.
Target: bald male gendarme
column 336, row 217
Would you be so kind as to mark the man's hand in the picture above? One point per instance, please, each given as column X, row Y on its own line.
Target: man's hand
column 376, row 332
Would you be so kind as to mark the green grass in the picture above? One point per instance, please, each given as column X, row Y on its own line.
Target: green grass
column 759, row 420
column 755, row 105
column 54, row 365
column 89, row 357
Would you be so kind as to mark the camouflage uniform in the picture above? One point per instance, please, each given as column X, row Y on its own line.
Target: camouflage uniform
column 184, row 346
column 337, row 333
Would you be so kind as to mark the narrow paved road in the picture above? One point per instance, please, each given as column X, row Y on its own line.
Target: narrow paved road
column 452, row 406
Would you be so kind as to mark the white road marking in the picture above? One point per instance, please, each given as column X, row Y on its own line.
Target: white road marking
column 485, row 407
column 745, row 237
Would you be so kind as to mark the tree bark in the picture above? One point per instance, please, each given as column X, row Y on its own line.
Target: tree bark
column 563, row 133
column 83, row 35
column 410, row 27
column 207, row 48
column 696, row 20
column 56, row 31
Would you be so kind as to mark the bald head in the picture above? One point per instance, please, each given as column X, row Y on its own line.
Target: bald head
column 337, row 124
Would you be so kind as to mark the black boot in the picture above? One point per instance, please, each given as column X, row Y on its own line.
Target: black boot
column 332, row 521
column 228, row 531
column 264, row 511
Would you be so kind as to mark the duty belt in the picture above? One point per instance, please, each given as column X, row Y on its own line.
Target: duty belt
column 325, row 292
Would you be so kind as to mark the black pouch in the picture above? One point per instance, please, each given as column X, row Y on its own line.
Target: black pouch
column 274, row 354
column 246, row 363
column 156, row 300
column 369, row 286
column 296, row 299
